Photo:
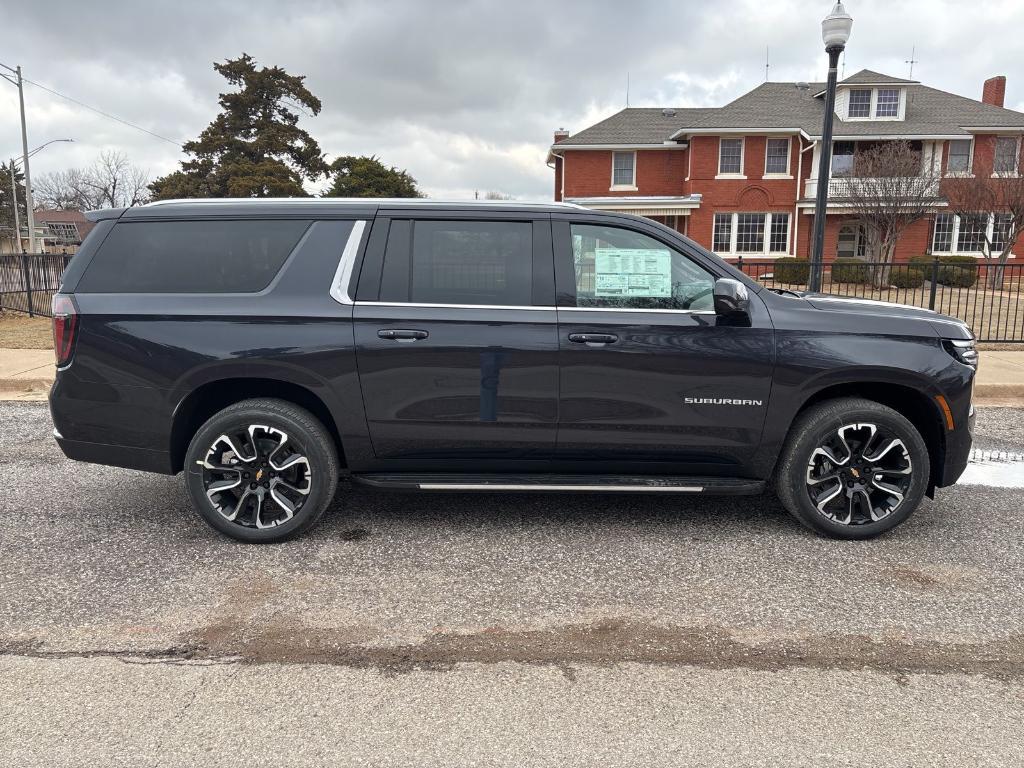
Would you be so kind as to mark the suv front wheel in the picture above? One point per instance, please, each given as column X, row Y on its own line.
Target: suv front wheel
column 852, row 468
column 261, row 470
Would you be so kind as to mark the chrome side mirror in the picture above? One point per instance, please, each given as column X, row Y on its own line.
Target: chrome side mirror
column 731, row 298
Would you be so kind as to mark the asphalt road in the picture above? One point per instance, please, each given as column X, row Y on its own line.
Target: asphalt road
column 458, row 630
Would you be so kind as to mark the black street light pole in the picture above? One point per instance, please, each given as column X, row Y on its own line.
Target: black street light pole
column 835, row 31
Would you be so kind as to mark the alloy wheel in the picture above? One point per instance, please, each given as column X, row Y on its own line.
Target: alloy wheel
column 256, row 476
column 859, row 474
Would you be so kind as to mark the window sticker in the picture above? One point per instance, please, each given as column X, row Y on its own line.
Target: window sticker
column 632, row 272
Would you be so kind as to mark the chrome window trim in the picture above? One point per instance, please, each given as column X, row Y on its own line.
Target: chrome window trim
column 636, row 309
column 447, row 306
column 531, row 308
column 343, row 274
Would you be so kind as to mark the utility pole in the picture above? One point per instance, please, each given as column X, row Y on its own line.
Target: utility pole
column 29, row 205
column 17, row 222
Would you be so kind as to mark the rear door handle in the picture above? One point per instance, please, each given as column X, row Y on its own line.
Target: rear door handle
column 593, row 338
column 402, row 334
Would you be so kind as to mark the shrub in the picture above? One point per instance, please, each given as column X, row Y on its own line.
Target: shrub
column 954, row 271
column 792, row 271
column 901, row 276
column 850, row 270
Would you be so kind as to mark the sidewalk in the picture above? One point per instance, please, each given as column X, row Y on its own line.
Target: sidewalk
column 26, row 374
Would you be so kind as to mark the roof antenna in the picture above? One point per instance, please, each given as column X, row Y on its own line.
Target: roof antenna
column 766, row 64
column 912, row 61
column 627, row 89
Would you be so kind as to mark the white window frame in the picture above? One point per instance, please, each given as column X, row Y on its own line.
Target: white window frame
column 969, row 173
column 789, row 157
column 872, row 114
column 1016, row 158
column 955, row 241
column 631, row 187
column 766, row 250
column 743, row 157
column 874, row 103
column 871, row 104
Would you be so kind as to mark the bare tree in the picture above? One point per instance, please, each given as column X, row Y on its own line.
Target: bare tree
column 998, row 197
column 495, row 195
column 112, row 181
column 891, row 190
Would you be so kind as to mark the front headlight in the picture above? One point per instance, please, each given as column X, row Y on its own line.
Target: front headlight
column 964, row 350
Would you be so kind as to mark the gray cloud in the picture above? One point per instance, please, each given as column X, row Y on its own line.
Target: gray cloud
column 464, row 95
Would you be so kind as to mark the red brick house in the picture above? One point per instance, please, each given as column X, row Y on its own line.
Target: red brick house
column 741, row 179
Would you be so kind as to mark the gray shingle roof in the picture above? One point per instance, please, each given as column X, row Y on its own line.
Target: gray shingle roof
column 636, row 125
column 784, row 106
column 867, row 76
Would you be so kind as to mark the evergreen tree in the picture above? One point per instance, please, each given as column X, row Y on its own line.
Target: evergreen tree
column 254, row 147
column 7, row 201
column 369, row 177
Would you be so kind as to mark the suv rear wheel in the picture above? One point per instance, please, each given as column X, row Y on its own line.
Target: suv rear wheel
column 852, row 469
column 261, row 470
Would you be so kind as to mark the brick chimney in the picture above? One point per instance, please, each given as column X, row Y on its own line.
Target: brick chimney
column 561, row 133
column 994, row 91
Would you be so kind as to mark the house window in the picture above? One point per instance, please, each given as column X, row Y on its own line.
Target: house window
column 959, row 160
column 842, row 158
column 64, row 231
column 779, row 242
column 887, row 104
column 777, row 156
column 751, row 233
column 1000, row 231
column 942, row 239
column 969, row 233
column 623, row 169
column 730, row 155
column 1006, row 156
column 860, row 103
column 722, row 239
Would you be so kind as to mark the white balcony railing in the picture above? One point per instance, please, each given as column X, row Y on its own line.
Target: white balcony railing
column 840, row 188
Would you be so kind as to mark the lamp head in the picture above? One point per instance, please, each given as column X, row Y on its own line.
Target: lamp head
column 836, row 27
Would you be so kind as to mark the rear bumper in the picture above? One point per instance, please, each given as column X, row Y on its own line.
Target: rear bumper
column 117, row 455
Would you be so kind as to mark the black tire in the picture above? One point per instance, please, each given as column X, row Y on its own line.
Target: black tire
column 287, row 484
column 829, row 425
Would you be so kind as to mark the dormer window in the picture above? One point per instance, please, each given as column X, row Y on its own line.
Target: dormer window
column 860, row 103
column 874, row 104
column 888, row 103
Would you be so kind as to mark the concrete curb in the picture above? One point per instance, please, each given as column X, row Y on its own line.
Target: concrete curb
column 999, row 391
column 24, row 385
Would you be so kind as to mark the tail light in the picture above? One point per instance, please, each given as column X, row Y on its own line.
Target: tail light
column 65, row 328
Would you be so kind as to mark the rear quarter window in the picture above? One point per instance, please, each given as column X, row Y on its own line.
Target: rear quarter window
column 191, row 256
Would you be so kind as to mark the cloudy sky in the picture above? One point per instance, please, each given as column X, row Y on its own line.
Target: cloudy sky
column 465, row 95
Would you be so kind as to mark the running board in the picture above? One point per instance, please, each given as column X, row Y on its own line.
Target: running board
column 713, row 486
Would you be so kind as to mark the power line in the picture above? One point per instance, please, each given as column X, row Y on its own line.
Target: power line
column 104, row 114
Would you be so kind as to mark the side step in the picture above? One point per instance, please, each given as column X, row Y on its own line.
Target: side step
column 451, row 483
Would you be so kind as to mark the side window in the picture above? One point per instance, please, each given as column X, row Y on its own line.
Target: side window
column 460, row 262
column 191, row 256
column 619, row 268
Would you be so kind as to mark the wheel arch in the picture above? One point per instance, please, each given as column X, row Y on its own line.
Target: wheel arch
column 213, row 396
column 917, row 407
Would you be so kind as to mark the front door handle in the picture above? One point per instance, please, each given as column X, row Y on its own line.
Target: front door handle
column 402, row 334
column 593, row 338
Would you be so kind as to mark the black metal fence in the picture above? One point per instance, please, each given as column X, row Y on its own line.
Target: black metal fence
column 29, row 280
column 988, row 297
